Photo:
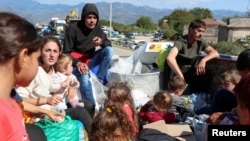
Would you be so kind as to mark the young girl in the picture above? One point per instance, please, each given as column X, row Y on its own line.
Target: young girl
column 19, row 52
column 158, row 109
column 112, row 124
column 62, row 79
column 120, row 95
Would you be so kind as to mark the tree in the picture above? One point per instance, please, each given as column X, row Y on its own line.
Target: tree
column 145, row 22
column 163, row 23
column 230, row 48
column 178, row 18
column 201, row 13
column 116, row 26
column 226, row 19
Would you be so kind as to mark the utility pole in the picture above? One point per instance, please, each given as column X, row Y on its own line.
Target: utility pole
column 77, row 13
column 248, row 10
column 110, row 21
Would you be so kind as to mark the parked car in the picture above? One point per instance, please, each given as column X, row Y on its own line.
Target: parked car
column 157, row 38
column 125, row 42
column 129, row 35
column 138, row 44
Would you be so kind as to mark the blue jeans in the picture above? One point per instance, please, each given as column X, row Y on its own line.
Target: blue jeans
column 85, row 85
column 102, row 57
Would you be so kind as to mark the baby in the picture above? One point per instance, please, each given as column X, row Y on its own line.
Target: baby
column 62, row 80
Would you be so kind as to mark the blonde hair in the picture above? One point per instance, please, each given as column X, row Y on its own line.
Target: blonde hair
column 162, row 101
column 62, row 62
column 231, row 76
column 176, row 83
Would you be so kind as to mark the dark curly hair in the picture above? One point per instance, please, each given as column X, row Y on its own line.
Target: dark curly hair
column 120, row 94
column 107, row 121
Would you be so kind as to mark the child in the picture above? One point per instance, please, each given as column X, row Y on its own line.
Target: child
column 62, row 79
column 112, row 124
column 224, row 99
column 120, row 95
column 19, row 52
column 181, row 106
column 158, row 109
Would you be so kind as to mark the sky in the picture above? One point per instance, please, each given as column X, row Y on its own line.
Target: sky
column 236, row 5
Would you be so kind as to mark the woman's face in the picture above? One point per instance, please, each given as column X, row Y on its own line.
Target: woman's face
column 50, row 53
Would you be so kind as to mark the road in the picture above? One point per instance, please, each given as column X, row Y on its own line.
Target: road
column 124, row 52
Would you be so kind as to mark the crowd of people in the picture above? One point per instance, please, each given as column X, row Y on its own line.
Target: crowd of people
column 42, row 79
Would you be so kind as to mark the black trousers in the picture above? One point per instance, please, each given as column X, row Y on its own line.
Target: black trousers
column 35, row 133
column 81, row 114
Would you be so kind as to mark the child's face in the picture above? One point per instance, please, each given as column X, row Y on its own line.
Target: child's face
column 69, row 68
column 179, row 92
column 29, row 65
column 227, row 85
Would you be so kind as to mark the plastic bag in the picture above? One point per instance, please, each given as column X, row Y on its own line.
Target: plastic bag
column 129, row 65
column 147, row 83
column 139, row 98
column 98, row 91
column 126, row 66
column 200, row 129
column 60, row 131
column 129, row 70
column 81, row 131
column 200, row 100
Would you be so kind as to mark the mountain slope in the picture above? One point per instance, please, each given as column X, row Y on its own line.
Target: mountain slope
column 121, row 12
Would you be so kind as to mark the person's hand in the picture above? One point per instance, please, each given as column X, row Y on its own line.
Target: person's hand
column 74, row 83
column 215, row 118
column 64, row 84
column 200, row 68
column 71, row 93
column 82, row 68
column 53, row 100
column 97, row 41
column 56, row 116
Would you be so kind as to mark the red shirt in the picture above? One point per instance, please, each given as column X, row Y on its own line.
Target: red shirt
column 129, row 112
column 148, row 114
column 12, row 126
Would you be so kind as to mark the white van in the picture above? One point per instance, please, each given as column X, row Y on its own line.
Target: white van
column 59, row 26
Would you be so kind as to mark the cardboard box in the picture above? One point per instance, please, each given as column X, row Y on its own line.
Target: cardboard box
column 180, row 131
